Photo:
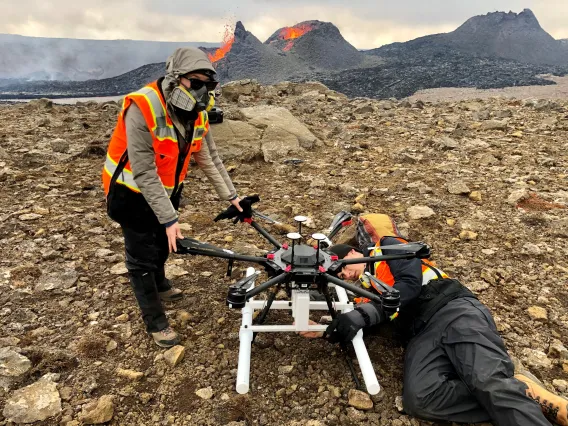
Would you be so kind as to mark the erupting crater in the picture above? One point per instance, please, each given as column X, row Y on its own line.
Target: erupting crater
column 227, row 43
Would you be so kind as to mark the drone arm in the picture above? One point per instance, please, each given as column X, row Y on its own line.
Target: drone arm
column 189, row 246
column 384, row 287
column 374, row 259
column 264, row 233
column 352, row 288
column 265, row 286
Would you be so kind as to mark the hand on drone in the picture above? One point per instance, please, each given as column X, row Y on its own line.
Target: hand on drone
column 233, row 213
column 344, row 327
column 311, row 334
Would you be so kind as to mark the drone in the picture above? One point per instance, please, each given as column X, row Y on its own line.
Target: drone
column 301, row 269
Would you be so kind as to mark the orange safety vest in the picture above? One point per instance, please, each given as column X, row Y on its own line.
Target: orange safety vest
column 383, row 272
column 165, row 143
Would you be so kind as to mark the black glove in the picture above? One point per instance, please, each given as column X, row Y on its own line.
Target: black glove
column 232, row 212
column 345, row 326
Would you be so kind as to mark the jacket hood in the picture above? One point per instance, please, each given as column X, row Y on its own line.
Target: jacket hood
column 184, row 60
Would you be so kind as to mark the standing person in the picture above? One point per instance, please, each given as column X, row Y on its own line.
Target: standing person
column 159, row 128
column 456, row 365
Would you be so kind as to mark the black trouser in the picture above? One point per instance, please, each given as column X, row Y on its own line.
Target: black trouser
column 146, row 253
column 457, row 369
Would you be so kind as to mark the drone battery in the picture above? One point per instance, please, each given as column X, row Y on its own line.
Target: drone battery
column 236, row 298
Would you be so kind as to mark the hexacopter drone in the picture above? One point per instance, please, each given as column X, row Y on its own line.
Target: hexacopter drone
column 301, row 269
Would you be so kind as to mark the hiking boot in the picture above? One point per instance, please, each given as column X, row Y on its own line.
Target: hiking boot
column 166, row 338
column 171, row 295
column 554, row 407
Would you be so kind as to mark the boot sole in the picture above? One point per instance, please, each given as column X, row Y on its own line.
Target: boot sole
column 161, row 345
column 167, row 345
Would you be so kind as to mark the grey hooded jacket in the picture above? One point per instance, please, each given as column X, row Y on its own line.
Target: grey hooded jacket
column 140, row 145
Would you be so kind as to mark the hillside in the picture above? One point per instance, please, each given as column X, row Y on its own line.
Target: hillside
column 38, row 58
column 248, row 57
column 517, row 37
column 316, row 45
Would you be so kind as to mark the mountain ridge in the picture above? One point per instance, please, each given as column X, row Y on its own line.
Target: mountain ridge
column 514, row 36
column 79, row 59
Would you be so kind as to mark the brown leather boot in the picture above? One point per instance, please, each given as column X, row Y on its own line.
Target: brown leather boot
column 554, row 407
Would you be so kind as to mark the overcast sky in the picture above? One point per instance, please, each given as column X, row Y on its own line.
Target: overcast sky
column 364, row 23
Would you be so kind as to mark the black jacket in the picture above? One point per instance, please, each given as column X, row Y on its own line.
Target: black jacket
column 418, row 303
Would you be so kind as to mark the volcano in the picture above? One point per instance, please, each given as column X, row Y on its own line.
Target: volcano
column 245, row 56
column 317, row 45
column 284, row 39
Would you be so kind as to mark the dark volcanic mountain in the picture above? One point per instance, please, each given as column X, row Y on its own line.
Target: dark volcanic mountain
column 316, row 44
column 38, row 58
column 504, row 35
column 289, row 53
column 477, row 54
column 248, row 57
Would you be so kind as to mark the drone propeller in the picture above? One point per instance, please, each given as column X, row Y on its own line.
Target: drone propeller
column 340, row 220
column 265, row 217
column 420, row 249
column 187, row 245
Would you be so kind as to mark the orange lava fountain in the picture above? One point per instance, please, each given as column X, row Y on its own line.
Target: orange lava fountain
column 290, row 33
column 228, row 40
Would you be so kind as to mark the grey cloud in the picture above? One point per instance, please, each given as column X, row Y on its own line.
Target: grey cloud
column 364, row 22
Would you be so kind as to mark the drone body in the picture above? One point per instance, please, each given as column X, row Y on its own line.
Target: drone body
column 301, row 269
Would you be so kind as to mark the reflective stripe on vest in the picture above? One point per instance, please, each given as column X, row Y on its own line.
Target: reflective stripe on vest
column 125, row 177
column 383, row 272
column 165, row 142
column 160, row 127
column 428, row 274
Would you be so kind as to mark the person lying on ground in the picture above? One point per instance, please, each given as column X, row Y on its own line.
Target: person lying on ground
column 456, row 366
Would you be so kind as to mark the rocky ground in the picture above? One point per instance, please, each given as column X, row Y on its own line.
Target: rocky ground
column 553, row 91
column 483, row 182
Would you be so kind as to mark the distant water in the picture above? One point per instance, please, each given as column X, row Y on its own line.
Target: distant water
column 68, row 100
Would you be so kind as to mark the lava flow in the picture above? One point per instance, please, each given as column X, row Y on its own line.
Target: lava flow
column 228, row 40
column 291, row 33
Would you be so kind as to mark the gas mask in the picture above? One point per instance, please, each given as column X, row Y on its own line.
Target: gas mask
column 192, row 100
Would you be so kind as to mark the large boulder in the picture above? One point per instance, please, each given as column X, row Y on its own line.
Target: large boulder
column 265, row 117
column 277, row 144
column 12, row 364
column 237, row 140
column 234, row 89
column 12, row 367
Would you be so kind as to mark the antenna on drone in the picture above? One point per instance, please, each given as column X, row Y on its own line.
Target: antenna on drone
column 300, row 220
column 319, row 238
